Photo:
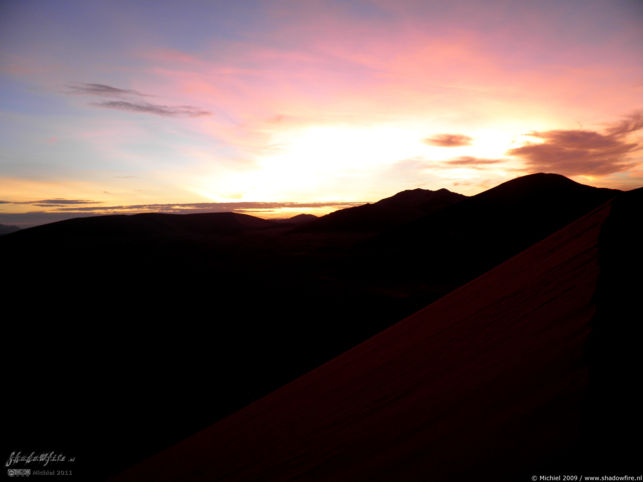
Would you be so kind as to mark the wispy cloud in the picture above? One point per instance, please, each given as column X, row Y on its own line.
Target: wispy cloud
column 54, row 202
column 473, row 162
column 158, row 109
column 583, row 152
column 268, row 209
column 127, row 100
column 448, row 140
column 209, row 207
column 102, row 90
column 631, row 123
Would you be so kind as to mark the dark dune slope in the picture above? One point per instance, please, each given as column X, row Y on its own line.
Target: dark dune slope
column 614, row 420
column 489, row 381
column 393, row 211
column 148, row 225
column 6, row 229
column 479, row 232
column 447, row 248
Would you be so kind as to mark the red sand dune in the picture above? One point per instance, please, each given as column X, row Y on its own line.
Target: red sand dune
column 487, row 382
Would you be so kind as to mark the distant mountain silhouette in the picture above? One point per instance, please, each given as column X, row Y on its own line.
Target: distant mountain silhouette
column 393, row 211
column 188, row 318
column 299, row 219
column 479, row 232
column 149, row 224
column 6, row 229
column 488, row 383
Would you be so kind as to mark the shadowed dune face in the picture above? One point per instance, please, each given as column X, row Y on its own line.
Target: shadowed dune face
column 488, row 381
column 465, row 239
column 6, row 229
column 149, row 225
column 614, row 420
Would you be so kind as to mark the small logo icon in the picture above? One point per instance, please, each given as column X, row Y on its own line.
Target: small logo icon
column 19, row 472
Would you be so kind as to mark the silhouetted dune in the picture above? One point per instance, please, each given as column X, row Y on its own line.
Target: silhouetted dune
column 188, row 318
column 393, row 211
column 6, row 229
column 477, row 233
column 149, row 224
column 299, row 219
column 488, row 383
column 613, row 419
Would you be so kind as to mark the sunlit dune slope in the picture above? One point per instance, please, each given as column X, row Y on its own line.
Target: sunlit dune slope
column 489, row 381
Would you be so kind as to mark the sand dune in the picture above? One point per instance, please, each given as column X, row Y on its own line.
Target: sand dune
column 487, row 382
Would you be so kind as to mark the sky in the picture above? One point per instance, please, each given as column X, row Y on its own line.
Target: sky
column 274, row 108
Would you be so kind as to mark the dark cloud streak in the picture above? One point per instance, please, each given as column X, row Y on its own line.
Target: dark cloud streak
column 157, row 109
column 207, row 207
column 448, row 140
column 127, row 100
column 473, row 162
column 55, row 202
column 102, row 90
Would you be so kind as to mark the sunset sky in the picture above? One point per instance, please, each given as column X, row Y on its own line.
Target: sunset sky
column 280, row 107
